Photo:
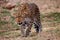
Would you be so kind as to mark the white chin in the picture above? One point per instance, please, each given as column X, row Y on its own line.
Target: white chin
column 19, row 25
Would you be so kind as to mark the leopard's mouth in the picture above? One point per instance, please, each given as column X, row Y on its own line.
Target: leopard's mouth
column 19, row 23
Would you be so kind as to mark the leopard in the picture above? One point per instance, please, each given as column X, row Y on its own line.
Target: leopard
column 28, row 14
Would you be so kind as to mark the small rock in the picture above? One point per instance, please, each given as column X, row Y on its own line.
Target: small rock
column 10, row 6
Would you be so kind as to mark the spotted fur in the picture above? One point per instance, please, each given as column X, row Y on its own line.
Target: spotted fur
column 27, row 15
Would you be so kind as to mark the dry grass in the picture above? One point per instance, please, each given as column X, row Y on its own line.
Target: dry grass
column 50, row 30
column 50, row 23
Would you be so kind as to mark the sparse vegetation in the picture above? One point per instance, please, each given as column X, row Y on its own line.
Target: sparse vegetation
column 54, row 17
column 6, row 19
column 50, row 22
column 57, row 31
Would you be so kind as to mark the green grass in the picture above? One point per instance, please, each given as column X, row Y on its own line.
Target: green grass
column 3, row 23
column 9, row 34
column 55, row 15
column 57, row 31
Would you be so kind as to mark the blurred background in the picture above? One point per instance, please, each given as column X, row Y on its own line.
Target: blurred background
column 50, row 20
